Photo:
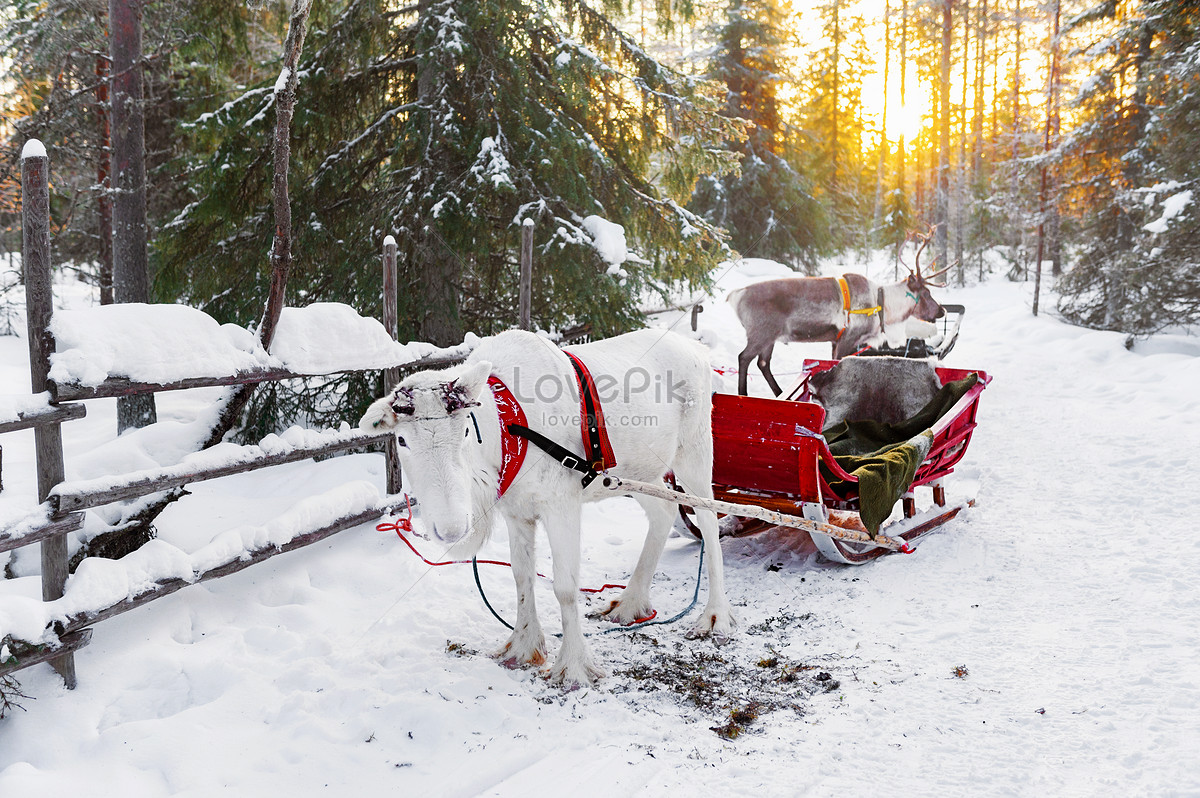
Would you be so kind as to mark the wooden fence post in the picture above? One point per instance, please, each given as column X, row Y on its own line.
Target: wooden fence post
column 39, row 306
column 525, row 287
column 391, row 323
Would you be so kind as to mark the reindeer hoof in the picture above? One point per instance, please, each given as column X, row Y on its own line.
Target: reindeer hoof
column 573, row 676
column 627, row 613
column 719, row 623
column 512, row 657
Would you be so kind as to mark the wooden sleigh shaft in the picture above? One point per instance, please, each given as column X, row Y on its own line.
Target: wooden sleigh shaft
column 883, row 542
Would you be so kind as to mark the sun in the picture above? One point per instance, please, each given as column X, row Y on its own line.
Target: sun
column 906, row 117
column 907, row 111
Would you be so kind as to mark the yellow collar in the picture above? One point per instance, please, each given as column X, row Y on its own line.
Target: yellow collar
column 846, row 300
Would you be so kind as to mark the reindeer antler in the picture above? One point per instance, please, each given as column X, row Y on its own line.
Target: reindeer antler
column 929, row 280
column 900, row 256
column 925, row 239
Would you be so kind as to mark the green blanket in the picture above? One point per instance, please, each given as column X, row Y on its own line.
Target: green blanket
column 885, row 457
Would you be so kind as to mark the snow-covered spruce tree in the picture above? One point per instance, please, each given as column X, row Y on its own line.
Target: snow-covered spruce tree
column 1132, row 160
column 767, row 205
column 448, row 126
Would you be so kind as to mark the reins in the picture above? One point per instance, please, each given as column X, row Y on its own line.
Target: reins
column 402, row 525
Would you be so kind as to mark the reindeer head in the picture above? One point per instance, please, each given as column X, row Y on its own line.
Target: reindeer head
column 430, row 413
column 926, row 307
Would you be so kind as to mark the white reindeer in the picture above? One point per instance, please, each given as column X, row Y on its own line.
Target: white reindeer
column 655, row 394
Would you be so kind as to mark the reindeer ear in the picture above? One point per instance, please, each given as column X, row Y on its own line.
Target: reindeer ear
column 465, row 390
column 379, row 415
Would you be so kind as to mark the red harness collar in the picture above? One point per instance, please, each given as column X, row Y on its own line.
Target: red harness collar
column 512, row 447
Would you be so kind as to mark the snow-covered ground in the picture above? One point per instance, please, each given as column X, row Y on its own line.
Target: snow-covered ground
column 1042, row 644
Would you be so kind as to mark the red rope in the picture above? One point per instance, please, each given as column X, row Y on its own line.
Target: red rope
column 402, row 525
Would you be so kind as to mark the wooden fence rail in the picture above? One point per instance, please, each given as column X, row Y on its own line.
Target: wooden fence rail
column 86, row 494
column 117, row 386
column 24, row 534
column 55, row 414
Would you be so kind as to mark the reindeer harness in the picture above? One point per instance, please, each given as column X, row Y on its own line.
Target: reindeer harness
column 516, row 435
column 846, row 306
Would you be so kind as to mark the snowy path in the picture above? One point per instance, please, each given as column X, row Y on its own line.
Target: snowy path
column 326, row 671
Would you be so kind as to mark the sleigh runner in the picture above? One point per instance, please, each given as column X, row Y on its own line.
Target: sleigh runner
column 772, row 469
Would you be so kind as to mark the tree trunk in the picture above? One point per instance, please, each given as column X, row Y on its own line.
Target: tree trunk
column 901, row 152
column 942, row 212
column 981, row 34
column 995, row 137
column 285, row 103
column 833, row 147
column 961, row 172
column 131, row 268
column 1043, row 199
column 1014, row 208
column 919, row 178
column 881, row 169
column 439, row 269
column 281, row 247
column 103, row 197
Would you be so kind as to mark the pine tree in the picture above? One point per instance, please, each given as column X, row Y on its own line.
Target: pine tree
column 1135, row 172
column 448, row 127
column 767, row 205
column 56, row 55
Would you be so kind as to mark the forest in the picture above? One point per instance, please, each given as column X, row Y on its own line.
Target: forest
column 1055, row 135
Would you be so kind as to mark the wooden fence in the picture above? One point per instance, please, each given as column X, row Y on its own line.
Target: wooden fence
column 62, row 503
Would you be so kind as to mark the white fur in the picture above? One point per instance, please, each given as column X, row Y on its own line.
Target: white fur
column 455, row 478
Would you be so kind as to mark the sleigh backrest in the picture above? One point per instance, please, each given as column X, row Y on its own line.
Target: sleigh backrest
column 767, row 445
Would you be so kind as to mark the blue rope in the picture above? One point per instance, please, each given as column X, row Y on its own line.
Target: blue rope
column 673, row 619
column 488, row 604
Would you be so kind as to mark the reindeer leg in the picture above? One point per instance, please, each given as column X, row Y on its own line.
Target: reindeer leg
column 764, row 365
column 695, row 476
column 575, row 665
column 634, row 603
column 527, row 644
column 743, row 366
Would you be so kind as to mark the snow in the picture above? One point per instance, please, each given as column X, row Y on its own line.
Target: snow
column 147, row 343
column 1065, row 594
column 1172, row 207
column 491, row 165
column 608, row 238
column 13, row 407
column 100, row 583
column 328, row 336
column 33, row 149
column 168, row 343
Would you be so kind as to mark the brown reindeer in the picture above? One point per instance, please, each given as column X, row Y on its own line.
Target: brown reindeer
column 849, row 311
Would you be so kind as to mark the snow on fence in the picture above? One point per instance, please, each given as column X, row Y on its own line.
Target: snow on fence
column 102, row 353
